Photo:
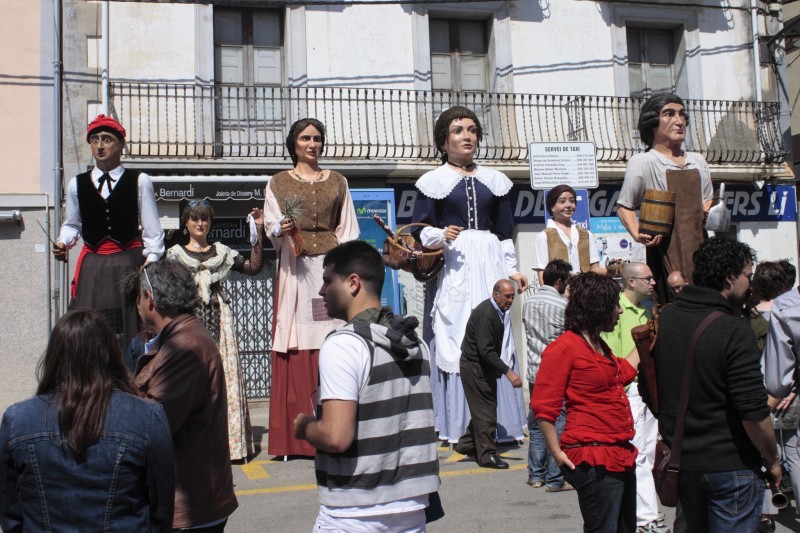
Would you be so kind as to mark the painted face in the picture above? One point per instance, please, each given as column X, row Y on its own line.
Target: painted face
column 198, row 227
column 672, row 122
column 308, row 145
column 106, row 150
column 334, row 292
column 504, row 297
column 462, row 141
column 564, row 207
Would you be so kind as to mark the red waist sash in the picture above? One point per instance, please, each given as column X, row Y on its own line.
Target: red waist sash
column 107, row 247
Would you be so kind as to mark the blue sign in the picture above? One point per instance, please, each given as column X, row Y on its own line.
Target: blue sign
column 379, row 202
column 773, row 203
column 580, row 217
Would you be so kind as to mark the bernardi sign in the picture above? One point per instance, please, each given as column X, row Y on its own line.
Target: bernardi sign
column 208, row 187
column 569, row 163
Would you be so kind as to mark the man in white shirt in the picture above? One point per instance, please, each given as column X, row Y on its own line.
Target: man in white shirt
column 106, row 206
column 373, row 429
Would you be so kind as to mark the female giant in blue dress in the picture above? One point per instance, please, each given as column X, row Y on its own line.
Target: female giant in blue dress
column 469, row 212
column 86, row 453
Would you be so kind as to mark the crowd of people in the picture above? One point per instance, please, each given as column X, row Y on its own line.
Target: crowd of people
column 148, row 438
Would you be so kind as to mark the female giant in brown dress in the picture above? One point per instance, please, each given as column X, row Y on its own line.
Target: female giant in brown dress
column 307, row 211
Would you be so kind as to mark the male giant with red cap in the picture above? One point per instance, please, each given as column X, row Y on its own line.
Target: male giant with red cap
column 107, row 206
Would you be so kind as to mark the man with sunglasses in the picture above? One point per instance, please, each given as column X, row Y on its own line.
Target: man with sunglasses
column 638, row 285
column 107, row 206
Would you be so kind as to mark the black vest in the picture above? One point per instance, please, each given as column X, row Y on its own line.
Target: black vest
column 115, row 218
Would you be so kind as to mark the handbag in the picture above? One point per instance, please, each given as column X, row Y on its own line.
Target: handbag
column 667, row 463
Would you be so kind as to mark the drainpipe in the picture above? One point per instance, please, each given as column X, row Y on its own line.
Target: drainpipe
column 104, row 60
column 756, row 49
column 58, row 170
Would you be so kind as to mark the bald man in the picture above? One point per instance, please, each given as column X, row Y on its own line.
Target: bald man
column 676, row 281
column 638, row 284
column 480, row 367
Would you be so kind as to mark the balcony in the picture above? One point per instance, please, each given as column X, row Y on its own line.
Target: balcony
column 224, row 123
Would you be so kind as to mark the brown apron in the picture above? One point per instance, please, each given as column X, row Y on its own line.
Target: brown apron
column 676, row 250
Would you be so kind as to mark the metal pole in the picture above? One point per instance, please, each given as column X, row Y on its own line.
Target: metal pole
column 47, row 259
column 105, row 60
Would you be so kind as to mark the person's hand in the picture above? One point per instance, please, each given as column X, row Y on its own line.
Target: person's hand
column 451, row 232
column 774, row 473
column 60, row 252
column 514, row 378
column 522, row 282
column 649, row 240
column 258, row 216
column 780, row 408
column 300, row 423
column 562, row 459
column 287, row 224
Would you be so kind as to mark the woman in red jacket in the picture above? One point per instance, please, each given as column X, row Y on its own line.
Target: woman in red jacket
column 595, row 452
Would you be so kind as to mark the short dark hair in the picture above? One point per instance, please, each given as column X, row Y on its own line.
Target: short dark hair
column 716, row 259
column 557, row 269
column 651, row 114
column 553, row 194
column 591, row 304
column 172, row 286
column 296, row 129
column 358, row 257
column 200, row 209
column 770, row 280
column 442, row 126
column 790, row 271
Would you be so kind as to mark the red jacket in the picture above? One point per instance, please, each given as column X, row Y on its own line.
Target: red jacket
column 183, row 372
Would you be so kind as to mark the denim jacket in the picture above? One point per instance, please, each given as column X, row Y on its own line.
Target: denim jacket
column 126, row 481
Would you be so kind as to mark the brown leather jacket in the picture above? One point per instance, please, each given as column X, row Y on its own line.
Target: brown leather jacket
column 183, row 371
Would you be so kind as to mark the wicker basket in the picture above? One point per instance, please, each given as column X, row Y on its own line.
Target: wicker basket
column 403, row 252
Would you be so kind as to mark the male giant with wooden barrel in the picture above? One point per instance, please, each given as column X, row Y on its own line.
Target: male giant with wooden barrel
column 665, row 167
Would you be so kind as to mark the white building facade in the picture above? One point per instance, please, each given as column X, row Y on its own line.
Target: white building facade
column 207, row 92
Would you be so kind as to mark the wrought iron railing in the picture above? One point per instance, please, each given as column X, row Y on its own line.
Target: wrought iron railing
column 251, row 302
column 234, row 121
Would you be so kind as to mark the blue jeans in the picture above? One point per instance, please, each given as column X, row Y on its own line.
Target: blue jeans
column 607, row 499
column 541, row 465
column 721, row 501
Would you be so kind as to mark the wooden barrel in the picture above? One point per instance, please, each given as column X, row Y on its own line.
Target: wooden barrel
column 657, row 213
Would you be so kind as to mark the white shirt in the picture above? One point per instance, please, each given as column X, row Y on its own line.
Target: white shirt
column 541, row 255
column 152, row 234
column 344, row 364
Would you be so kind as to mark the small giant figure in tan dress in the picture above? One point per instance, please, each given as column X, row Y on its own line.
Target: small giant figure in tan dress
column 665, row 166
column 211, row 264
column 307, row 212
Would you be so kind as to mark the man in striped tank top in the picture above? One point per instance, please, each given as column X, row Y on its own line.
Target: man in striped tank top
column 376, row 461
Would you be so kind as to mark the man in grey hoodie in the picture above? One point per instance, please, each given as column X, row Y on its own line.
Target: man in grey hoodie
column 376, row 459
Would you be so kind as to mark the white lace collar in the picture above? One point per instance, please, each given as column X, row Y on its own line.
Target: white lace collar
column 439, row 183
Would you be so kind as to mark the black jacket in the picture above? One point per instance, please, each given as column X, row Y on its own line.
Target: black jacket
column 727, row 384
column 483, row 339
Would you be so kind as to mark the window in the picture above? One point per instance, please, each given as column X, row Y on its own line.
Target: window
column 458, row 55
column 248, row 67
column 247, row 47
column 651, row 61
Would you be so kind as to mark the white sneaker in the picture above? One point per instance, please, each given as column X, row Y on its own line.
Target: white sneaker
column 653, row 527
